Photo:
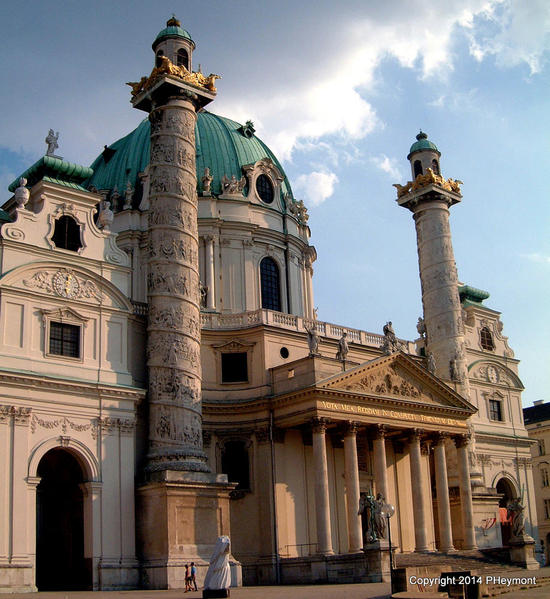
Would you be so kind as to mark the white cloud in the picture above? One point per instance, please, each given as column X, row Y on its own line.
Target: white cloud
column 514, row 31
column 539, row 258
column 315, row 187
column 388, row 165
column 329, row 100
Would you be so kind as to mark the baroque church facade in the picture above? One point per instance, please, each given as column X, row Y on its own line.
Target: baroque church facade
column 166, row 379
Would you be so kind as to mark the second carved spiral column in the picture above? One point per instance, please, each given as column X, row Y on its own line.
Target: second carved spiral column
column 173, row 347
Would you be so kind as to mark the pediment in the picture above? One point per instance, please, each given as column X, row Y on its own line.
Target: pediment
column 396, row 377
column 234, row 345
column 65, row 282
column 64, row 314
column 490, row 371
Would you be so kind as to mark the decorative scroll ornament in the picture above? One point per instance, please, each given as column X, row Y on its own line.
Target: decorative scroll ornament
column 429, row 178
column 168, row 68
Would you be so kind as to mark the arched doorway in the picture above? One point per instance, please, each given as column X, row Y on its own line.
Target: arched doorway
column 507, row 492
column 60, row 563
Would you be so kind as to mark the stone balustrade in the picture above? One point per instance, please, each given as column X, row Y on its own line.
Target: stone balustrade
column 212, row 321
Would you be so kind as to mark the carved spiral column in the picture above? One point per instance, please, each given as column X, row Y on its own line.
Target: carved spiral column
column 380, row 466
column 351, row 467
column 442, row 490
column 173, row 344
column 322, row 505
column 439, row 282
column 462, row 445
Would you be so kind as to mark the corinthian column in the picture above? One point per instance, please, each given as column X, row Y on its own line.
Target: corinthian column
column 173, row 343
column 417, row 484
column 351, row 467
column 380, row 467
column 322, row 506
column 462, row 444
column 442, row 490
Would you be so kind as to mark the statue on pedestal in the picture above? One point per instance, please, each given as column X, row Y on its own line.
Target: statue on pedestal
column 218, row 577
column 343, row 348
column 313, row 340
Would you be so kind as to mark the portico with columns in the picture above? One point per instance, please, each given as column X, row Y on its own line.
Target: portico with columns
column 384, row 426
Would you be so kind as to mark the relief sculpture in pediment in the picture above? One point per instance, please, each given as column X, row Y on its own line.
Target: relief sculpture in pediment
column 388, row 382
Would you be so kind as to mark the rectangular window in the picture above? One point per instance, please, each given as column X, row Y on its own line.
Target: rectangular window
column 65, row 339
column 544, row 476
column 234, row 367
column 547, row 509
column 495, row 409
column 542, row 448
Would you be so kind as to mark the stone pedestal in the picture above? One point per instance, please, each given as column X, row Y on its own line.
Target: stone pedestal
column 179, row 518
column 522, row 552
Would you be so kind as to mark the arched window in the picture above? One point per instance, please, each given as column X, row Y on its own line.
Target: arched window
column 235, row 464
column 66, row 234
column 269, row 276
column 486, row 339
column 157, row 61
column 435, row 166
column 417, row 168
column 264, row 187
column 183, row 58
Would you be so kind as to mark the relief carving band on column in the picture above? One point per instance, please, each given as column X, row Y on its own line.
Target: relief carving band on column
column 170, row 424
column 161, row 280
column 171, row 348
column 176, row 215
column 175, row 248
column 170, row 384
column 173, row 317
column 165, row 179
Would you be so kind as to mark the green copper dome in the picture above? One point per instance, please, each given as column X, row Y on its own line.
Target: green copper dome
column 173, row 29
column 422, row 143
column 223, row 146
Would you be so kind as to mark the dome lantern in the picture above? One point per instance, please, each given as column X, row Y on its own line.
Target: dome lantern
column 175, row 43
column 423, row 155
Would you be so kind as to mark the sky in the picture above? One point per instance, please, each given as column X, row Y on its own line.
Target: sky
column 338, row 91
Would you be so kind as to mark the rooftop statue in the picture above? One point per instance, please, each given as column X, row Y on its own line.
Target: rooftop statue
column 51, row 140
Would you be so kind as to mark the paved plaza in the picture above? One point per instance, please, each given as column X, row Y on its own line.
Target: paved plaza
column 340, row 591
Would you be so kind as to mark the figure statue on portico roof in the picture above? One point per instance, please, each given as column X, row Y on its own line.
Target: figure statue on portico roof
column 51, row 140
column 343, row 347
column 391, row 344
column 313, row 339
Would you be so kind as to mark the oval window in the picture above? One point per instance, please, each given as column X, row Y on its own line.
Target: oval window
column 264, row 187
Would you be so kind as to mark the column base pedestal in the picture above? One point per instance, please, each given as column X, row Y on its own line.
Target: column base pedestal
column 215, row 593
column 522, row 552
column 180, row 516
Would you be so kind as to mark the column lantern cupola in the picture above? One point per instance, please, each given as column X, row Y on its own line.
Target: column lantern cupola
column 175, row 43
column 423, row 155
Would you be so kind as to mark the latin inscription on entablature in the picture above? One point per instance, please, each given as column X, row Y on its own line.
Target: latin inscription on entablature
column 389, row 413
